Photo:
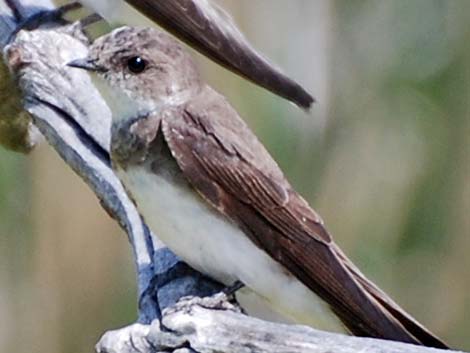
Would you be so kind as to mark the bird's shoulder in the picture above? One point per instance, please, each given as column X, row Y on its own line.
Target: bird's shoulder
column 221, row 155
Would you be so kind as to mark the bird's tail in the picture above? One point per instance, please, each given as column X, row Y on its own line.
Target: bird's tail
column 422, row 335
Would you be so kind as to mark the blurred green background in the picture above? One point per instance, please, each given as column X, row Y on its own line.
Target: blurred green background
column 384, row 157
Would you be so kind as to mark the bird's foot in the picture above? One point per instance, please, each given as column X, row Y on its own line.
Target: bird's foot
column 232, row 289
column 218, row 301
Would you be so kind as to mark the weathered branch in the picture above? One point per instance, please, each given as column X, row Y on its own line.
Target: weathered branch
column 16, row 130
column 69, row 112
column 192, row 326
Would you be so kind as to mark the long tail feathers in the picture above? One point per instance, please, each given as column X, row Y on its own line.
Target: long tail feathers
column 413, row 327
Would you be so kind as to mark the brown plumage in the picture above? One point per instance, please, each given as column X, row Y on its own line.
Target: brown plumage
column 219, row 158
column 211, row 31
column 228, row 166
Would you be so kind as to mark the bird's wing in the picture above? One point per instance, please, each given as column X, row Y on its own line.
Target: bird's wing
column 410, row 323
column 230, row 168
column 211, row 31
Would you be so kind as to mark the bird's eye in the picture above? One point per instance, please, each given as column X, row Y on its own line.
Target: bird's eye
column 136, row 64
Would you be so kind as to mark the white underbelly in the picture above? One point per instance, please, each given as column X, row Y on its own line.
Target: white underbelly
column 207, row 241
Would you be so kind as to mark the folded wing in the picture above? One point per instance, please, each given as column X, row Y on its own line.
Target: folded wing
column 229, row 167
column 211, row 31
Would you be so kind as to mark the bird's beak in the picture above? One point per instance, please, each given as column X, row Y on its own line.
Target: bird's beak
column 86, row 64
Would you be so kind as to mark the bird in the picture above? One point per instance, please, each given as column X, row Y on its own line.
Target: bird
column 210, row 30
column 210, row 190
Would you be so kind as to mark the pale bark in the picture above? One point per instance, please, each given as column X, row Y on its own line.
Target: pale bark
column 69, row 112
column 191, row 326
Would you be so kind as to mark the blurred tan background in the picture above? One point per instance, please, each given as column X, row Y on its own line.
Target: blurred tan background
column 384, row 156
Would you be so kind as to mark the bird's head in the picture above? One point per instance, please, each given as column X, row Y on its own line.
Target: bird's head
column 140, row 69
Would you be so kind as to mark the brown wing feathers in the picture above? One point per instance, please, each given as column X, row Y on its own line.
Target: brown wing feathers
column 209, row 30
column 414, row 327
column 232, row 171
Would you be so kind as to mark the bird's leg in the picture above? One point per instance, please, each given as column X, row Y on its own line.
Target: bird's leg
column 233, row 288
column 199, row 291
column 223, row 300
column 219, row 301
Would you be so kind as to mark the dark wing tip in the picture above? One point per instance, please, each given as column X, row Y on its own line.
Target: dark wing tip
column 218, row 38
column 420, row 333
column 302, row 98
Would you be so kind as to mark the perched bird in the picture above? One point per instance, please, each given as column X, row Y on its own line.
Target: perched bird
column 210, row 190
column 208, row 29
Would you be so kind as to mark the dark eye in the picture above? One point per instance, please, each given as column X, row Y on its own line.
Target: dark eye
column 136, row 64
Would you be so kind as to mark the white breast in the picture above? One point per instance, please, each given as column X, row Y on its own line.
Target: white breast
column 213, row 245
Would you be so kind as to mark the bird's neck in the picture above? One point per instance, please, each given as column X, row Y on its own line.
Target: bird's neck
column 124, row 108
